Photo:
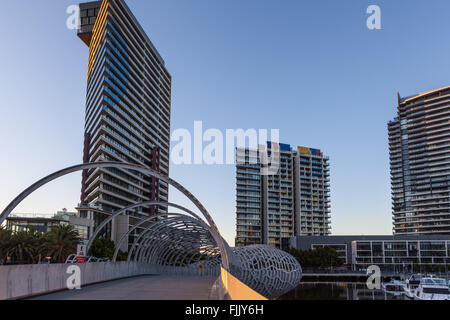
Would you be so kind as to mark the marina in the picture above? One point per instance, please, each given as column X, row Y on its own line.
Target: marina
column 412, row 287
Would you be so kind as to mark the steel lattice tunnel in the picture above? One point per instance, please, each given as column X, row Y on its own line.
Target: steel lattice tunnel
column 177, row 242
column 267, row 270
column 185, row 243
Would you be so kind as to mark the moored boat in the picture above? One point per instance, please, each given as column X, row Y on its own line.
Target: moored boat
column 394, row 287
column 432, row 288
column 411, row 285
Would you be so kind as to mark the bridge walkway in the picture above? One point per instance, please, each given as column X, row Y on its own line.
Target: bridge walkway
column 158, row 287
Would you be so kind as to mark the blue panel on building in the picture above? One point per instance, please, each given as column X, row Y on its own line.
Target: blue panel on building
column 283, row 146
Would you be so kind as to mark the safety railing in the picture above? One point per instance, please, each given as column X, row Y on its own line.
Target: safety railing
column 237, row 290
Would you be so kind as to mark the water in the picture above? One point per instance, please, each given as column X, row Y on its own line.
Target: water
column 337, row 291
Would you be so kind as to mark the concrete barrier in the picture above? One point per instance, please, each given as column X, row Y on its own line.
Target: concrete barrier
column 23, row 281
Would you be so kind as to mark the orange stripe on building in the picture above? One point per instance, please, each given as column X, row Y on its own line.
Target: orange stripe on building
column 425, row 94
column 98, row 33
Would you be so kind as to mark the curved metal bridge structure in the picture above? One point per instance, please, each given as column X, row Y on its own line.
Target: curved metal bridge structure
column 189, row 243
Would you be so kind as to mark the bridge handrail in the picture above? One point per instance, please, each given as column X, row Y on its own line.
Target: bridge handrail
column 122, row 165
column 236, row 289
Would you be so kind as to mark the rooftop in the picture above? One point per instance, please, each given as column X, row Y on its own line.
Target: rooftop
column 416, row 96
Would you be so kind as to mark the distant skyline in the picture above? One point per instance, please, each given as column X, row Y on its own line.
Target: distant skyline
column 309, row 68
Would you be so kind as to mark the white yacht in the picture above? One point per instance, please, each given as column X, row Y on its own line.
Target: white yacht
column 395, row 287
column 431, row 288
column 411, row 285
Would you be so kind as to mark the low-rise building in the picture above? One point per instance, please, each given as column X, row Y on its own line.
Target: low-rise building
column 43, row 223
column 385, row 251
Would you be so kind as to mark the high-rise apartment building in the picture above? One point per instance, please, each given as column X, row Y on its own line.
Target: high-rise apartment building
column 128, row 106
column 419, row 144
column 295, row 201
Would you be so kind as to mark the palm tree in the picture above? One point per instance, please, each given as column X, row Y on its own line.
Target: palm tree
column 25, row 246
column 62, row 241
column 5, row 244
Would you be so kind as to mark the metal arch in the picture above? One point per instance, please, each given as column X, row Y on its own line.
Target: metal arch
column 208, row 250
column 172, row 215
column 212, row 256
column 197, row 224
column 177, row 236
column 125, row 235
column 163, row 243
column 156, row 228
column 159, row 256
column 215, row 232
column 137, row 247
column 192, row 245
column 131, row 207
column 182, row 259
column 188, row 244
column 173, row 258
column 177, row 258
column 157, row 225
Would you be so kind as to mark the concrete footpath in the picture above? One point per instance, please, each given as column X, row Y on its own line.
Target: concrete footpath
column 141, row 288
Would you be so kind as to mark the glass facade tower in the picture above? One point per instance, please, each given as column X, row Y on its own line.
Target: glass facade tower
column 419, row 144
column 128, row 104
column 293, row 202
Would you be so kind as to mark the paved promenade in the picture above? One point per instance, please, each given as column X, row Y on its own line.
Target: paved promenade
column 141, row 288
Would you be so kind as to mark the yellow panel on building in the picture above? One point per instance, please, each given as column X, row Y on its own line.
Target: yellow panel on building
column 304, row 150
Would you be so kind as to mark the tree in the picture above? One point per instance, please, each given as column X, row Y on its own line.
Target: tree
column 102, row 248
column 317, row 258
column 122, row 256
column 5, row 244
column 61, row 241
column 25, row 246
column 105, row 248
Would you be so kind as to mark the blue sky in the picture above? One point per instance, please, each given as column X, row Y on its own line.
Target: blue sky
column 309, row 68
